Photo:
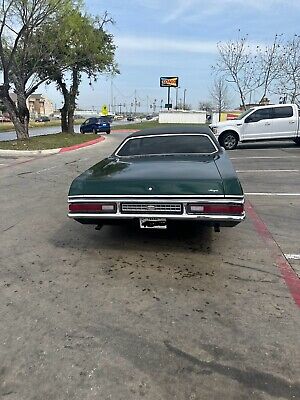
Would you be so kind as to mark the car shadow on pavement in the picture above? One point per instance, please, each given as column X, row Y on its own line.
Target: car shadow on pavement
column 267, row 145
column 178, row 237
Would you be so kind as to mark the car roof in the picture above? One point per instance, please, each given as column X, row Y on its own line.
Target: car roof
column 175, row 129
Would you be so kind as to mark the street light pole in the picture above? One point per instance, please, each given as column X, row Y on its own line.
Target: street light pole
column 176, row 99
column 184, row 97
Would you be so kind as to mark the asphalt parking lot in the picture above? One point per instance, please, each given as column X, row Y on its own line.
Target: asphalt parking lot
column 128, row 314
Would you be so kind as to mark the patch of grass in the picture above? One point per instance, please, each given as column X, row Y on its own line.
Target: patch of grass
column 9, row 126
column 138, row 125
column 147, row 124
column 46, row 142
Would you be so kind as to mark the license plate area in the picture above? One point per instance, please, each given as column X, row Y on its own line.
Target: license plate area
column 153, row 223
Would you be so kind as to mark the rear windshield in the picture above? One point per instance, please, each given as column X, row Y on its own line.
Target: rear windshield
column 167, row 144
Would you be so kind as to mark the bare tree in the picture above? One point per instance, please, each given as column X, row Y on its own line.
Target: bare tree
column 20, row 56
column 219, row 94
column 268, row 65
column 289, row 78
column 183, row 106
column 236, row 64
column 205, row 105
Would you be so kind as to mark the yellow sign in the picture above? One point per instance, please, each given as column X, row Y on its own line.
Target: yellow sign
column 104, row 110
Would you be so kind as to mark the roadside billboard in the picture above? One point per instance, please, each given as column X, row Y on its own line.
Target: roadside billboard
column 169, row 81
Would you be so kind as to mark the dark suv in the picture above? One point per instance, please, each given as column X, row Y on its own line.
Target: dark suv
column 95, row 125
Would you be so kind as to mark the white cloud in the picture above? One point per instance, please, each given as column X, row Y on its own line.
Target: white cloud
column 189, row 9
column 165, row 45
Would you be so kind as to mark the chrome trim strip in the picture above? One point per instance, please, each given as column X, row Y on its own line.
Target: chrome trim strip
column 166, row 134
column 159, row 196
column 204, row 217
column 198, row 199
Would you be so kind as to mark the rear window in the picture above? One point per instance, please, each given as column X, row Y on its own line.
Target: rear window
column 283, row 112
column 167, row 144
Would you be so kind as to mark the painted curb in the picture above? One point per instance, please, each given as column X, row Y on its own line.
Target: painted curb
column 81, row 145
column 24, row 153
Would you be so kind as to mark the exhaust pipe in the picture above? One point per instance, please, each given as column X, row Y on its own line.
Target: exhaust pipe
column 217, row 227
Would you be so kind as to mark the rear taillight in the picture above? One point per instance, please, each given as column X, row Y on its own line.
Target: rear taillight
column 92, row 208
column 232, row 209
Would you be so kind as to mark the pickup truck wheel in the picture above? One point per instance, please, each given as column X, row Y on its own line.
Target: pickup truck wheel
column 108, row 132
column 81, row 131
column 229, row 140
column 95, row 131
column 297, row 141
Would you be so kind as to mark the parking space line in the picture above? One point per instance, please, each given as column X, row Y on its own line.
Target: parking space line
column 267, row 170
column 288, row 274
column 45, row 169
column 268, row 149
column 271, row 194
column 292, row 256
column 261, row 157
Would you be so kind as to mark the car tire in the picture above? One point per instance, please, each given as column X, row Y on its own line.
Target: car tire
column 229, row 140
column 108, row 132
column 94, row 131
column 297, row 141
column 81, row 131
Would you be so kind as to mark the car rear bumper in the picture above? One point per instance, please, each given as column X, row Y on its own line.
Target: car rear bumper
column 121, row 215
column 103, row 128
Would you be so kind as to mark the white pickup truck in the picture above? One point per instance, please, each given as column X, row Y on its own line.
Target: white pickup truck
column 275, row 122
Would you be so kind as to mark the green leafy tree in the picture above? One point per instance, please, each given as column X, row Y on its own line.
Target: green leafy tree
column 84, row 45
column 22, row 52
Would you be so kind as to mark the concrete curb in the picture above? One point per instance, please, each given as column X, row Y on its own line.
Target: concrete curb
column 124, row 130
column 81, row 145
column 24, row 153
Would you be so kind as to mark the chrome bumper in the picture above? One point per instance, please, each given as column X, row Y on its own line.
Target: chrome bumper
column 119, row 215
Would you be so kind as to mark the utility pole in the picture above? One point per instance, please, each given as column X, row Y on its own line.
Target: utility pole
column 176, row 98
column 112, row 95
column 154, row 106
column 184, row 98
column 135, row 102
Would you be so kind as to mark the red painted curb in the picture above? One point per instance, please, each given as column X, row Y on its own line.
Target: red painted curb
column 288, row 274
column 80, row 145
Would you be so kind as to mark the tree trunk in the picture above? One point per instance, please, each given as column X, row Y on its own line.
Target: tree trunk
column 68, row 109
column 64, row 118
column 71, row 120
column 19, row 119
column 23, row 112
column 73, row 93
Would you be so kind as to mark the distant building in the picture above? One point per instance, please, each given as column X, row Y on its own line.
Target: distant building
column 39, row 105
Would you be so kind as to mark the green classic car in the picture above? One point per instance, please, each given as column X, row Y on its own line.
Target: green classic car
column 157, row 176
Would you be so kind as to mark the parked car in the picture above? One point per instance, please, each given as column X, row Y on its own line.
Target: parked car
column 95, row 125
column 157, row 176
column 42, row 119
column 130, row 118
column 280, row 121
column 3, row 118
column 148, row 117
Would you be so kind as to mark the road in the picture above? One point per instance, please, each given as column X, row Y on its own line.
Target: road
column 126, row 314
column 50, row 129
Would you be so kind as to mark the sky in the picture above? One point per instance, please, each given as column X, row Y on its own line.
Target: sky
column 157, row 38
